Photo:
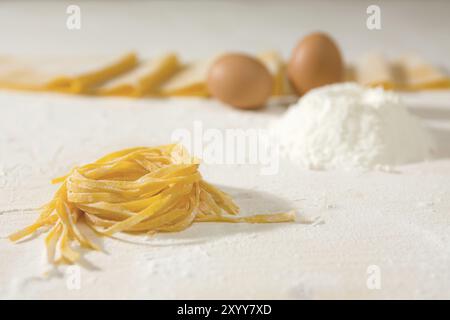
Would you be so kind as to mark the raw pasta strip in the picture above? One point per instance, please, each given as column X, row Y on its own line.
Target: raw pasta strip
column 62, row 73
column 145, row 78
column 258, row 218
column 277, row 68
column 375, row 70
column 51, row 241
column 190, row 80
column 138, row 190
column 417, row 74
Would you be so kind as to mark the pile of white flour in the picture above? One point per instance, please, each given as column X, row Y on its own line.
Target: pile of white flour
column 345, row 126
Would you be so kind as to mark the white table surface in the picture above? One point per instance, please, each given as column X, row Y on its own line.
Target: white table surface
column 399, row 221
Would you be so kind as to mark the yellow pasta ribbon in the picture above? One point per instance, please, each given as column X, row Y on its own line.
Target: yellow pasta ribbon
column 141, row 190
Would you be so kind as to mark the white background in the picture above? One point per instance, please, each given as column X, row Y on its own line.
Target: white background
column 198, row 29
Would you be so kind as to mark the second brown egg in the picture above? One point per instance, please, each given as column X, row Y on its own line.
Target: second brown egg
column 315, row 61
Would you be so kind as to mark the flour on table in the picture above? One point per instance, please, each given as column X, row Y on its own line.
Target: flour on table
column 346, row 126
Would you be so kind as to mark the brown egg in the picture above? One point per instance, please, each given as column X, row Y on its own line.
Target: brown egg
column 240, row 80
column 315, row 61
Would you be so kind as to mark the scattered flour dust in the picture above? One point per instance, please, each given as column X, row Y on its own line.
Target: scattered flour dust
column 344, row 126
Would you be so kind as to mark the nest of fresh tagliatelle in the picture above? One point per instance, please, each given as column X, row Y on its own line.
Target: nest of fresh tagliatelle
column 141, row 190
